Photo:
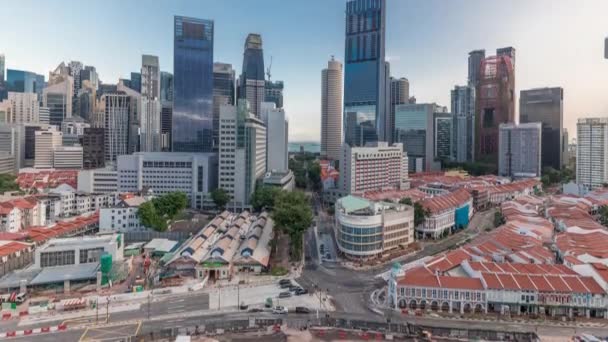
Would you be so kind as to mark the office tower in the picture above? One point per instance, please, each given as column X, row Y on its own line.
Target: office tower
column 520, row 150
column 463, row 136
column 399, row 94
column 46, row 142
column 274, row 92
column 86, row 100
column 242, row 152
column 73, row 130
column 192, row 85
column 331, row 110
column 592, row 152
column 365, row 70
column 251, row 81
column 546, row 105
column 276, row 137
column 6, row 111
column 166, row 117
column 24, row 108
column 19, row 81
column 414, row 127
column 150, row 105
column 93, row 148
column 136, row 112
column 223, row 94
column 442, row 136
column 116, row 124
column 3, row 91
column 166, row 86
column 67, row 157
column 75, row 69
column 507, row 51
column 89, row 73
column 376, row 166
column 44, row 115
column 495, row 103
column 60, row 74
column 57, row 96
column 475, row 59
column 135, row 83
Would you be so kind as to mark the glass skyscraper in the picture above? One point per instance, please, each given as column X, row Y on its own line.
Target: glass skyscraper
column 166, row 86
column 365, row 70
column 20, row 81
column 3, row 92
column 193, row 85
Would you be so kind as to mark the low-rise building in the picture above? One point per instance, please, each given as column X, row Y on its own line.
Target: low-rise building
column 366, row 229
column 123, row 216
column 21, row 213
column 284, row 180
column 447, row 213
column 102, row 180
column 67, row 157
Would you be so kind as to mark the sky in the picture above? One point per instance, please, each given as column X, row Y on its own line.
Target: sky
column 557, row 42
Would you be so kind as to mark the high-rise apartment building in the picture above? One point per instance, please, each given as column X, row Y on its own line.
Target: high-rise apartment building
column 166, row 86
column 277, row 129
column 331, row 110
column 58, row 98
column 463, row 111
column 223, row 94
column 366, row 72
column 546, row 105
column 93, row 148
column 25, row 108
column 46, row 143
column 242, row 152
column 193, row 85
column 376, row 166
column 150, row 116
column 495, row 102
column 414, row 129
column 274, row 93
column 116, row 125
column 592, row 152
column 251, row 82
column 442, row 135
column 520, row 150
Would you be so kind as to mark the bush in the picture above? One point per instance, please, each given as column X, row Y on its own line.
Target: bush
column 278, row 271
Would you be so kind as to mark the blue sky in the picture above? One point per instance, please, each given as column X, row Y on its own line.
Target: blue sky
column 558, row 43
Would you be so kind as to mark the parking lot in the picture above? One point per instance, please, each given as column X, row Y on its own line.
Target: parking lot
column 254, row 296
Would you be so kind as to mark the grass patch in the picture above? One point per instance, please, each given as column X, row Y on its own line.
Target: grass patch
column 278, row 271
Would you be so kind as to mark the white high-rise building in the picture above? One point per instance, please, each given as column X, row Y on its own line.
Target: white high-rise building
column 67, row 157
column 24, row 108
column 277, row 129
column 331, row 110
column 150, row 77
column 46, row 143
column 242, row 152
column 592, row 152
column 519, row 150
column 116, row 125
column 44, row 115
column 375, row 166
column 149, row 128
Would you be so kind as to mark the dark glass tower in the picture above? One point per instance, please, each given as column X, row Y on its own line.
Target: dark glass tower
column 193, row 85
column 251, row 82
column 365, row 70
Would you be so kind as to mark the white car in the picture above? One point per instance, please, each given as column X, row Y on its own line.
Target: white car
column 280, row 310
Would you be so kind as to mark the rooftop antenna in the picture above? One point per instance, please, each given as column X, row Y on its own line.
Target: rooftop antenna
column 268, row 69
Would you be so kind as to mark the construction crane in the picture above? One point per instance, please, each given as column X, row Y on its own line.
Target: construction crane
column 268, row 69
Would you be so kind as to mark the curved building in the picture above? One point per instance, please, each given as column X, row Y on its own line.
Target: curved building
column 331, row 110
column 366, row 229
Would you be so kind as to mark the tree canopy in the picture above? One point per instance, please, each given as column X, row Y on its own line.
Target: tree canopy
column 420, row 214
column 220, row 197
column 7, row 183
column 264, row 197
column 157, row 212
column 293, row 215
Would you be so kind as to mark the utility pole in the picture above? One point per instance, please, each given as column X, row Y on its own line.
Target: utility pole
column 238, row 296
column 97, row 311
column 108, row 310
column 149, row 304
column 219, row 296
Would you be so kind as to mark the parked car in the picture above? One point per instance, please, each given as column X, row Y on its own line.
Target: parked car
column 268, row 303
column 301, row 291
column 255, row 310
column 284, row 281
column 293, row 288
column 286, row 285
column 285, row 294
column 302, row 310
column 243, row 306
column 281, row 310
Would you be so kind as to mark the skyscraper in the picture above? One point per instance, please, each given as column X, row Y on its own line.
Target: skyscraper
column 150, row 77
column 166, row 86
column 19, row 81
column 519, row 150
column 24, row 108
column 3, row 91
column 463, row 111
column 75, row 70
column 442, row 135
column 274, row 92
column 592, row 152
column 223, row 94
column 276, row 137
column 150, row 139
column 475, row 58
column 414, row 129
column 166, row 118
column 116, row 125
column 193, row 85
column 400, row 94
column 251, row 81
column 365, row 71
column 546, row 105
column 89, row 73
column 331, row 110
column 495, row 103
column 58, row 98
column 135, row 83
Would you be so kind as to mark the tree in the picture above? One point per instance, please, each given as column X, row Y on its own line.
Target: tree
column 264, row 196
column 499, row 219
column 149, row 217
column 8, row 183
column 603, row 212
column 406, row 200
column 171, row 204
column 420, row 214
column 293, row 215
column 314, row 175
column 220, row 197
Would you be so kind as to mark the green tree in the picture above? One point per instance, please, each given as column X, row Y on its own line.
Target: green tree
column 8, row 183
column 420, row 214
column 499, row 219
column 603, row 212
column 220, row 197
column 264, row 196
column 406, row 200
column 171, row 204
column 150, row 218
column 314, row 175
column 293, row 215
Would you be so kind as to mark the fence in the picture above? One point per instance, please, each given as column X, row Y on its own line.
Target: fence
column 131, row 237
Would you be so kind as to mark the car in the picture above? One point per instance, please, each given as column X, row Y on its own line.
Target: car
column 243, row 306
column 285, row 294
column 301, row 291
column 293, row 288
column 284, row 281
column 286, row 285
column 255, row 310
column 302, row 310
column 281, row 310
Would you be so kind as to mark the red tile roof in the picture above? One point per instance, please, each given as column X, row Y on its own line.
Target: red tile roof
column 444, row 202
column 41, row 234
column 11, row 247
